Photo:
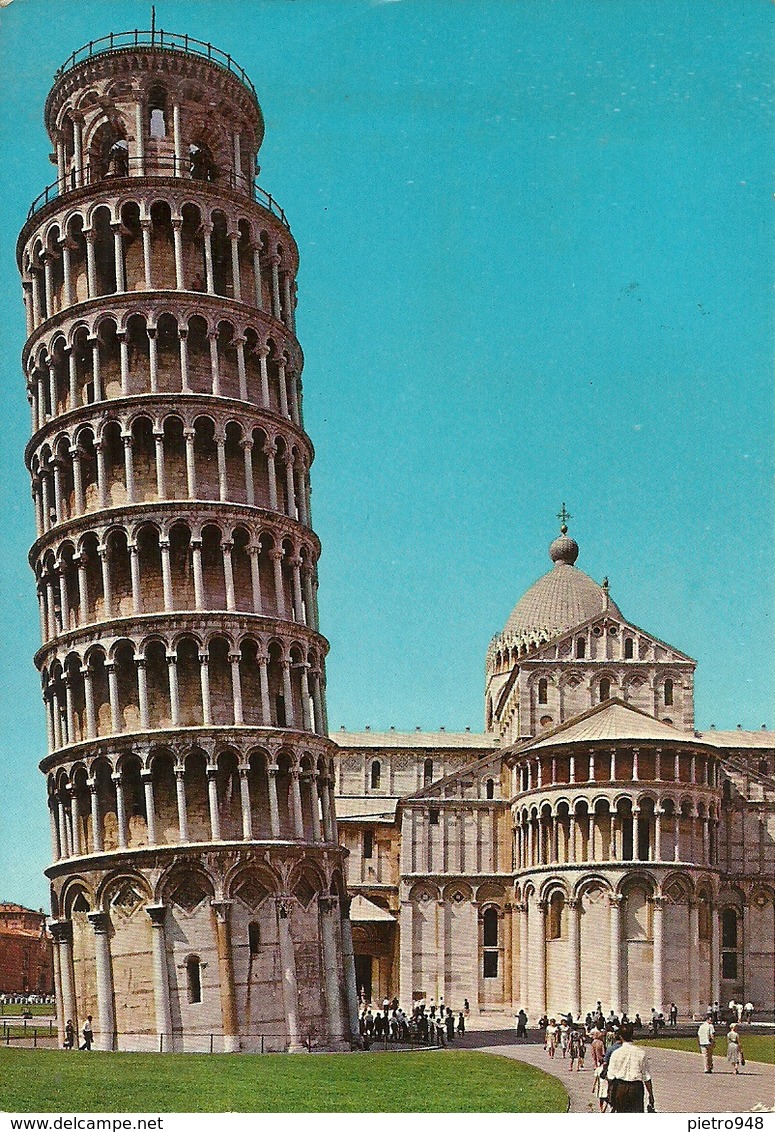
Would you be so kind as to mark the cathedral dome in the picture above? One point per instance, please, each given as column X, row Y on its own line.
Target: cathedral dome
column 560, row 599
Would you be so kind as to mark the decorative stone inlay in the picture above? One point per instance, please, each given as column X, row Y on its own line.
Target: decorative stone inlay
column 189, row 894
column 126, row 900
column 304, row 893
column 251, row 893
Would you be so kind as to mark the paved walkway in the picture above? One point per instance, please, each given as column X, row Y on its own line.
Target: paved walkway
column 679, row 1082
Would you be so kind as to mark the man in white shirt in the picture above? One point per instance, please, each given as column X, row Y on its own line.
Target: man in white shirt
column 706, row 1036
column 629, row 1075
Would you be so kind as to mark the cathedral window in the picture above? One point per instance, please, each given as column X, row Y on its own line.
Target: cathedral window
column 729, row 944
column 427, row 772
column 629, row 648
column 490, row 928
column 668, row 693
column 490, row 788
column 376, row 774
column 763, row 766
column 581, row 648
column 605, row 689
column 368, row 844
column 542, row 690
column 433, row 817
column 194, row 978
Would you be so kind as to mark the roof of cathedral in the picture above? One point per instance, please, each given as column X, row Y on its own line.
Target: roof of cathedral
column 362, row 807
column 437, row 739
column 364, row 911
column 561, row 599
column 613, row 719
column 739, row 738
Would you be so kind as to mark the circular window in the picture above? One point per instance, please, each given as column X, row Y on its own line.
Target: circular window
column 597, row 631
column 613, row 631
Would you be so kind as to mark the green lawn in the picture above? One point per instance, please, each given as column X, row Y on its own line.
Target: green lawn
column 40, row 1024
column 756, row 1047
column 38, row 1009
column 447, row 1081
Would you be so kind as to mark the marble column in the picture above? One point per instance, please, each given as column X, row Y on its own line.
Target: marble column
column 222, row 910
column 62, row 931
column 212, row 798
column 692, row 956
column 715, row 955
column 289, row 984
column 274, row 808
column 332, row 969
column 150, row 805
column 247, row 814
column 574, row 948
column 180, row 791
column 657, row 909
column 161, row 980
column 106, row 1039
column 540, row 974
column 348, row 968
column 615, row 949
column 120, row 810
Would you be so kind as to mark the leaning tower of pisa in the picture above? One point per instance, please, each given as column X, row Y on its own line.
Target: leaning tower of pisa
column 197, row 887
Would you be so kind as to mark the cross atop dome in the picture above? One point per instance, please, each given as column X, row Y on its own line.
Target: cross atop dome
column 564, row 550
column 563, row 516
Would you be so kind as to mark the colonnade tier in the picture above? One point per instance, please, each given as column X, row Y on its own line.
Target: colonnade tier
column 599, row 639
column 222, row 788
column 191, row 345
column 187, row 467
column 182, row 678
column 627, row 761
column 164, row 236
column 653, row 823
column 157, row 565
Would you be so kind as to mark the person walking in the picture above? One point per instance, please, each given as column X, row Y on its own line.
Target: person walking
column 564, row 1036
column 735, row 1055
column 600, row 1088
column 88, row 1034
column 629, row 1076
column 69, row 1034
column 550, row 1038
column 706, row 1038
column 522, row 1024
column 575, row 1049
column 598, row 1046
column 461, row 1023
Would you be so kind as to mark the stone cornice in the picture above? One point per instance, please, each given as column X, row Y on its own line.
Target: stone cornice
column 201, row 623
column 165, row 301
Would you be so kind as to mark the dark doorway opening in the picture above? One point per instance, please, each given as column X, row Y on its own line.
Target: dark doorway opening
column 363, row 976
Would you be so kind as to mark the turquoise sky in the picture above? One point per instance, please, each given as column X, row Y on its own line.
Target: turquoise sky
column 536, row 265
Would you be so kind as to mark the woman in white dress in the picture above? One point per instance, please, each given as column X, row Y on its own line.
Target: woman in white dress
column 734, row 1049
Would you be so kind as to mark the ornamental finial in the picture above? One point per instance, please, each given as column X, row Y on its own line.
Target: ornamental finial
column 563, row 516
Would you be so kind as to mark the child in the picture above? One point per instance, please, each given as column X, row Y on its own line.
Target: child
column 575, row 1047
